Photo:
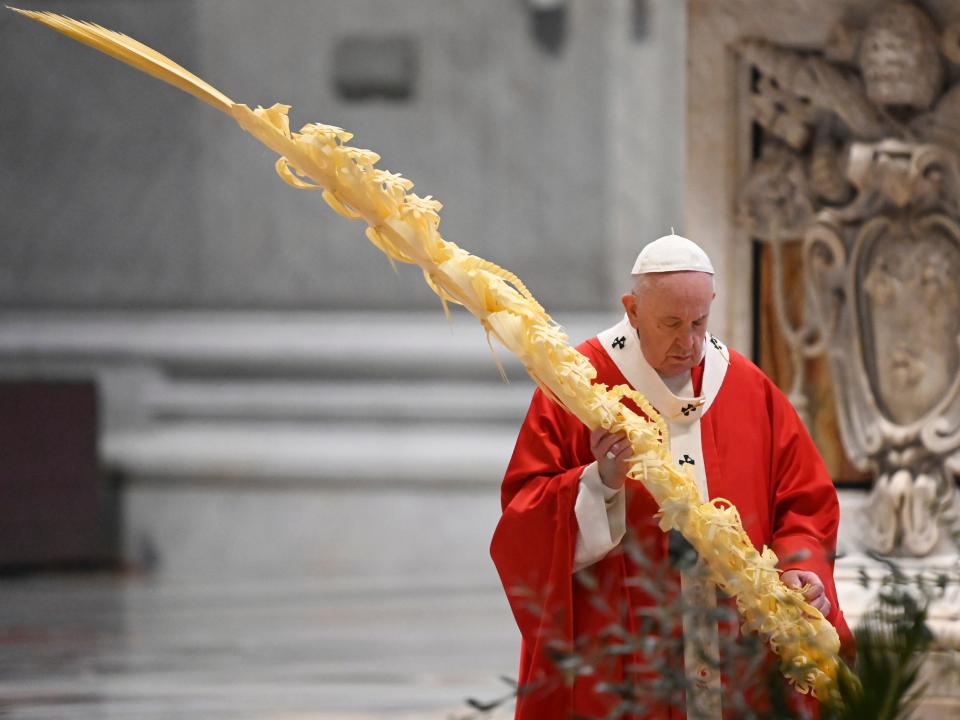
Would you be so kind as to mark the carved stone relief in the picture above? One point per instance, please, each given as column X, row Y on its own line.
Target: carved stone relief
column 858, row 158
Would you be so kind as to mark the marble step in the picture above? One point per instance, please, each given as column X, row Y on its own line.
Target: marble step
column 245, row 500
column 375, row 401
column 346, row 345
column 441, row 455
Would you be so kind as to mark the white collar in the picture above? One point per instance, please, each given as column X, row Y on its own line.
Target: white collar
column 623, row 346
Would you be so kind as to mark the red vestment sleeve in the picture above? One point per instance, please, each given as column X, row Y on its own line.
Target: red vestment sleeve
column 533, row 546
column 806, row 512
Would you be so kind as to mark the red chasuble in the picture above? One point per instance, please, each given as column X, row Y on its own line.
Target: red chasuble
column 756, row 453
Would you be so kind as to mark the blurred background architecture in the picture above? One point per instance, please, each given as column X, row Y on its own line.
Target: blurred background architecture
column 216, row 385
column 287, row 446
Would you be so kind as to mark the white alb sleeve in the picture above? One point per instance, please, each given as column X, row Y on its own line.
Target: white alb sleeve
column 601, row 518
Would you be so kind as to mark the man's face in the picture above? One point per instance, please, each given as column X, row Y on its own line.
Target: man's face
column 669, row 312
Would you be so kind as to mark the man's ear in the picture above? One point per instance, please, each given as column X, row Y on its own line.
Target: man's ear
column 629, row 301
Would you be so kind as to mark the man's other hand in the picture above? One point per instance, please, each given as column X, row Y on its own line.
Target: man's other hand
column 811, row 586
column 612, row 452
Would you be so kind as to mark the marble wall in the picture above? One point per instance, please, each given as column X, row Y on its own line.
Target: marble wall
column 99, row 168
column 122, row 193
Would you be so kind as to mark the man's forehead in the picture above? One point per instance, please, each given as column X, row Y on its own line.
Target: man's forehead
column 684, row 302
column 674, row 314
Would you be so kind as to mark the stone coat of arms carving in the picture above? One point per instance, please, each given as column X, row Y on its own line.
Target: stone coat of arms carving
column 858, row 156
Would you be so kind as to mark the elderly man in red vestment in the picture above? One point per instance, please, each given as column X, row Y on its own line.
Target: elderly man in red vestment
column 585, row 567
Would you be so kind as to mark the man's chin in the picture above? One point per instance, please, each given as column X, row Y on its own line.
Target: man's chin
column 675, row 366
column 671, row 371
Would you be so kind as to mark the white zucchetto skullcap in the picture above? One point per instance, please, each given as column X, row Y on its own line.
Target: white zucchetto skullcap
column 672, row 253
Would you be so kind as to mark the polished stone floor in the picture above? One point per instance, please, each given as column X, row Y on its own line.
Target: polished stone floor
column 85, row 647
